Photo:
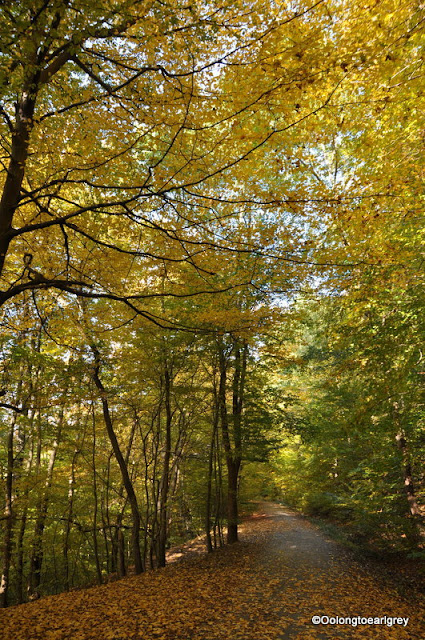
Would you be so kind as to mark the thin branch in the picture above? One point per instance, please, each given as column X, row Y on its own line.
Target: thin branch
column 5, row 405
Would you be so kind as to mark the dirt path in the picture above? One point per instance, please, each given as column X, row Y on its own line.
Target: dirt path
column 267, row 587
column 324, row 580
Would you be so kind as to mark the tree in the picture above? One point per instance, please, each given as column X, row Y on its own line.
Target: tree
column 190, row 170
column 119, row 123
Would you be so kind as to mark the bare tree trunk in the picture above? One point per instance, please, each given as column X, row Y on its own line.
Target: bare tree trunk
column 121, row 569
column 8, row 517
column 112, row 567
column 11, row 195
column 20, row 595
column 38, row 548
column 218, row 480
column 137, row 557
column 69, row 517
column 407, row 466
column 232, row 465
column 165, row 480
column 95, row 504
column 175, row 464
column 233, row 452
column 119, row 534
column 155, row 484
column 145, row 441
column 407, row 475
column 210, row 471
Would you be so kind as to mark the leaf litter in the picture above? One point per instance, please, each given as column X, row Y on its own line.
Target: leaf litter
column 266, row 587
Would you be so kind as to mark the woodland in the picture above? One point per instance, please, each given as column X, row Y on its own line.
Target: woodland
column 211, row 277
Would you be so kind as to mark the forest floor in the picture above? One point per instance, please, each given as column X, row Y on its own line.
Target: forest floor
column 283, row 572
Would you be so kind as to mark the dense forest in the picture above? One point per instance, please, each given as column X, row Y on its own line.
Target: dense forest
column 211, row 277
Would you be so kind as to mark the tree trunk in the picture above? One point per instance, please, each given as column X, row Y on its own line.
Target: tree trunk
column 407, row 475
column 233, row 452
column 95, row 507
column 232, row 500
column 112, row 567
column 20, row 595
column 145, row 439
column 165, row 480
column 210, row 473
column 121, row 569
column 70, row 514
column 407, row 467
column 135, row 541
column 232, row 465
column 119, row 535
column 38, row 548
column 155, row 487
column 8, row 518
column 11, row 195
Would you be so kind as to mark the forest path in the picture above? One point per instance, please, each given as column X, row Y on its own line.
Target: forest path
column 267, row 587
column 315, row 576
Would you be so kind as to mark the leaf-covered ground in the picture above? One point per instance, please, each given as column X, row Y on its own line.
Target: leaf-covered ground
column 267, row 587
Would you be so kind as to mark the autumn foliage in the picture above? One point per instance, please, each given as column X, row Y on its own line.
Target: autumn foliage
column 211, row 282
